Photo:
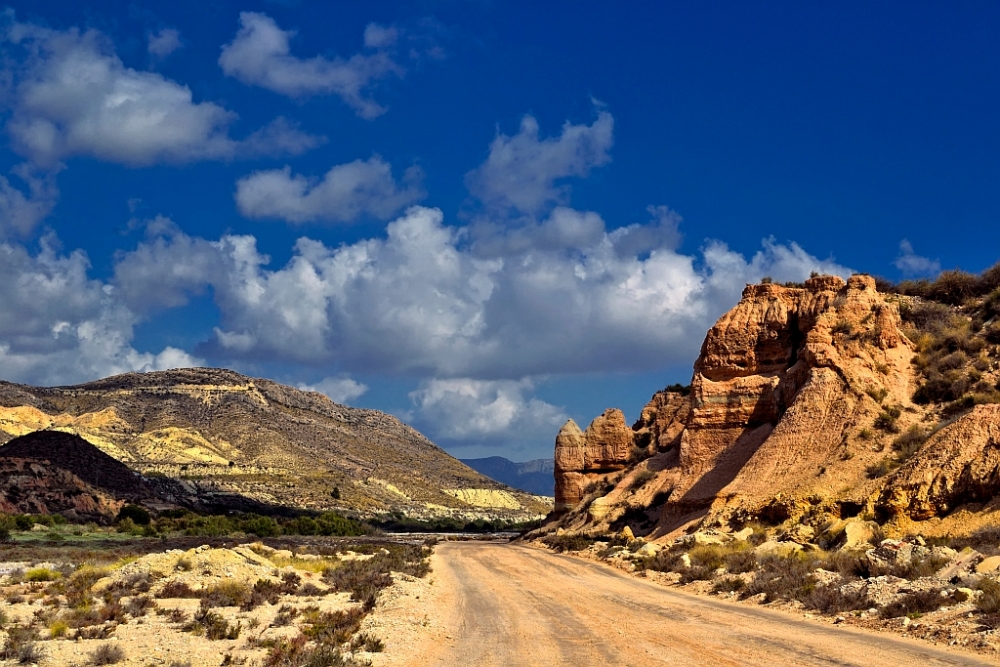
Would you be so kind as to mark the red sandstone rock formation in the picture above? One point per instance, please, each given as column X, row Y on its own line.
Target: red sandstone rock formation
column 583, row 458
column 785, row 382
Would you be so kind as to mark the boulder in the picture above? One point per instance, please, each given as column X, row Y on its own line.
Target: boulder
column 627, row 534
column 743, row 535
column 648, row 549
column 988, row 565
column 800, row 534
column 891, row 554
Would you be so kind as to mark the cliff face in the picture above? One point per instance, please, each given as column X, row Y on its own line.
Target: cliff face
column 786, row 404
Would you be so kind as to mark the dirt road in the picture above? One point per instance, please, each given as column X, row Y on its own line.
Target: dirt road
column 507, row 605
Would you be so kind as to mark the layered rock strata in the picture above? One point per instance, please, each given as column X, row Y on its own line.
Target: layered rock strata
column 786, row 384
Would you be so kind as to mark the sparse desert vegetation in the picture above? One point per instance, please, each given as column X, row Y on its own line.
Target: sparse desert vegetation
column 295, row 601
column 845, row 571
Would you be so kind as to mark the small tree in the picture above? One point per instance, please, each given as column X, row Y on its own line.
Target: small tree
column 335, row 494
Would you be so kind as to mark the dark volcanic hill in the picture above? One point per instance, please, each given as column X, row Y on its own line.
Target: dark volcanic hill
column 224, row 434
column 531, row 476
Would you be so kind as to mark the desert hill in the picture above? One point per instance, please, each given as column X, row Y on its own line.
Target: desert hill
column 225, row 435
column 812, row 403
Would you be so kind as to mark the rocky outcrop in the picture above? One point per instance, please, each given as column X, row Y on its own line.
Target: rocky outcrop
column 785, row 385
column 957, row 465
column 582, row 458
column 30, row 486
column 662, row 421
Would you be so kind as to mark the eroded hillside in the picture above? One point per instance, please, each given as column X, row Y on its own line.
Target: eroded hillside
column 223, row 434
column 810, row 402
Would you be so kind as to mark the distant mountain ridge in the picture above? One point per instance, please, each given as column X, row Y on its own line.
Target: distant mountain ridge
column 222, row 434
column 532, row 476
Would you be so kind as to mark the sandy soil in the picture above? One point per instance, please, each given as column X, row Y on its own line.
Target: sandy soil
column 498, row 604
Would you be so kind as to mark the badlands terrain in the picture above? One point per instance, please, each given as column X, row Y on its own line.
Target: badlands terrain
column 824, row 491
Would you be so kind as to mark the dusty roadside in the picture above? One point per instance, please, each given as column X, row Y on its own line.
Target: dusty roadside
column 493, row 604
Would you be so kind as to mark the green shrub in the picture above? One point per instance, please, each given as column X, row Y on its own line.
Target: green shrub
column 41, row 574
column 137, row 514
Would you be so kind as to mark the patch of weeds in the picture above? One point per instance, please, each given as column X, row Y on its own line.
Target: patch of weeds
column 332, row 627
column 58, row 629
column 107, row 654
column 728, row 585
column 878, row 394
column 882, row 468
column 139, row 605
column 907, row 444
column 229, row 593
column 286, row 614
column 21, row 646
column 831, row 600
column 367, row 642
column 213, row 626
column 919, row 602
column 177, row 589
column 563, row 543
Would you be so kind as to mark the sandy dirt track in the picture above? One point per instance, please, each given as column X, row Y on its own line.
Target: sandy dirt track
column 498, row 604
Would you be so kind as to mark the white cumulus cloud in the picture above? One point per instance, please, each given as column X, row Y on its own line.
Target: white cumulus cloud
column 260, row 55
column 164, row 42
column 912, row 264
column 422, row 300
column 475, row 412
column 70, row 94
column 345, row 193
column 521, row 172
column 58, row 326
column 20, row 210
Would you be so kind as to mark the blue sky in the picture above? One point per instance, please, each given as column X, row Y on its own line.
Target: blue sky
column 483, row 217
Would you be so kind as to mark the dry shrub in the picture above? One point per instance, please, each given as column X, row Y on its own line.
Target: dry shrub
column 563, row 543
column 333, row 628
column 21, row 646
column 139, row 605
column 729, row 585
column 913, row 604
column 214, row 626
column 367, row 642
column 177, row 589
column 107, row 654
